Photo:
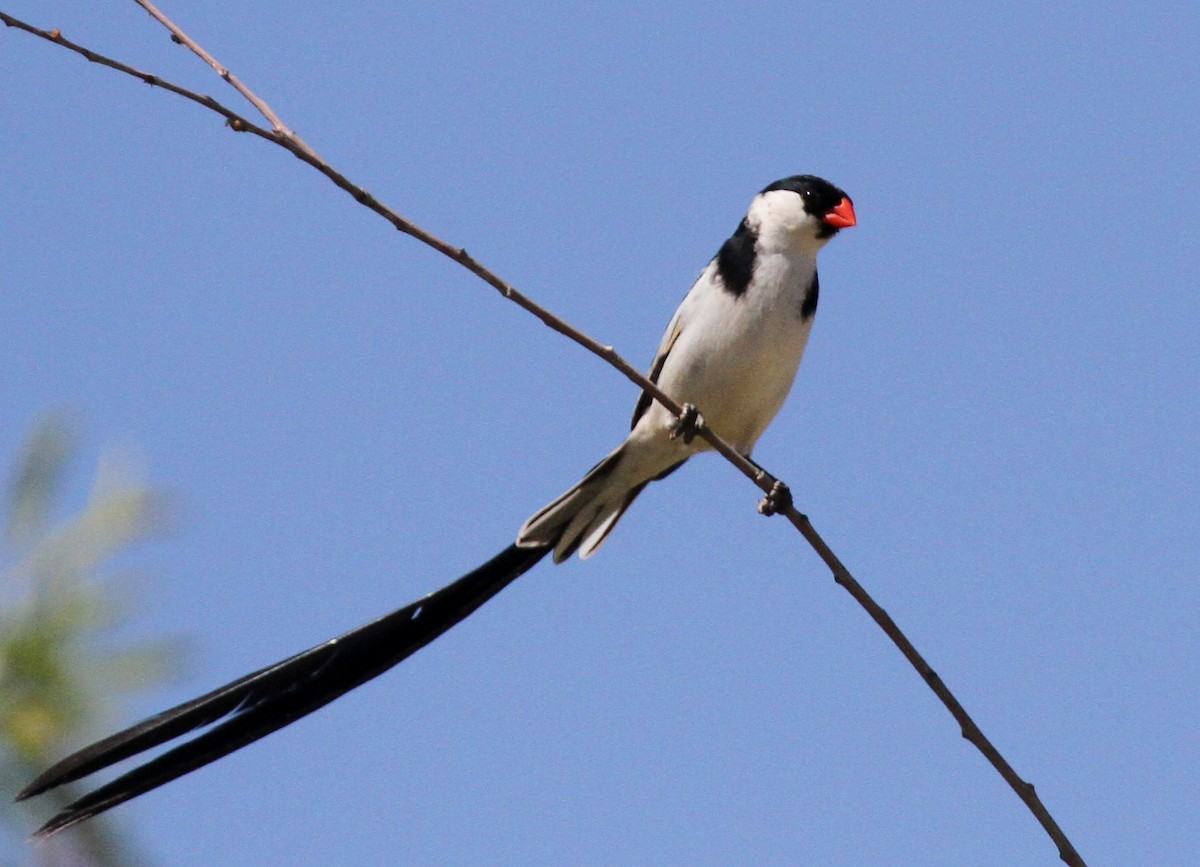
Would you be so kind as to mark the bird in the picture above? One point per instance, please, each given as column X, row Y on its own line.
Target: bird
column 729, row 355
column 732, row 348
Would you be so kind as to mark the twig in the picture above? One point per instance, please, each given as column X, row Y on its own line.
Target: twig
column 277, row 126
column 285, row 138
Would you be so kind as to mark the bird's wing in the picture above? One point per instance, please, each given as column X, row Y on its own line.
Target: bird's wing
column 674, row 329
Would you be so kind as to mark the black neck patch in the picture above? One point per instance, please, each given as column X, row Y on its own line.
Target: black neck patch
column 735, row 261
column 808, row 309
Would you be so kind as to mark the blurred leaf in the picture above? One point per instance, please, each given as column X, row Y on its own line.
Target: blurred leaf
column 58, row 678
column 38, row 477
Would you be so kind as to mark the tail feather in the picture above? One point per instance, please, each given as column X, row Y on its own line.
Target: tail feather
column 600, row 526
column 563, row 523
column 276, row 696
column 599, row 530
column 581, row 518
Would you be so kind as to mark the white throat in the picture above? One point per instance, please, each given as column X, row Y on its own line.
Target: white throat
column 783, row 226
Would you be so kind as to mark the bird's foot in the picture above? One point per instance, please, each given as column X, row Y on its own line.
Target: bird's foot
column 779, row 499
column 689, row 423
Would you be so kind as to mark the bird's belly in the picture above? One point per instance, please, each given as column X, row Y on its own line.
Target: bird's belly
column 741, row 380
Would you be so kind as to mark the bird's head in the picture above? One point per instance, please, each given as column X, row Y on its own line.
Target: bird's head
column 801, row 210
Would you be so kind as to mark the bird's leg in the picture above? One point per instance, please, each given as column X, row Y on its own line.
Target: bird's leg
column 778, row 499
column 689, row 423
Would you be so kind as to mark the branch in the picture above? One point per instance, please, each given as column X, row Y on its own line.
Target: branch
column 178, row 36
column 279, row 134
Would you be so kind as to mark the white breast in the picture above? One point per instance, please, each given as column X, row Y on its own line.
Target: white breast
column 737, row 356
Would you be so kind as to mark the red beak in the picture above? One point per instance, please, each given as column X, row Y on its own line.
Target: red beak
column 841, row 217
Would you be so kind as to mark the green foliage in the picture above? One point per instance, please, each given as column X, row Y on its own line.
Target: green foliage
column 60, row 598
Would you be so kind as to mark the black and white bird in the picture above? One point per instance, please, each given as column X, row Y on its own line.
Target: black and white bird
column 732, row 350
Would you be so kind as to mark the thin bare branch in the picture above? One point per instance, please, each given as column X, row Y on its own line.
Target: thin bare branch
column 177, row 35
column 232, row 118
column 282, row 136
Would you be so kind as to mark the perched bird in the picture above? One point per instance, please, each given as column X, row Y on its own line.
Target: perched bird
column 731, row 350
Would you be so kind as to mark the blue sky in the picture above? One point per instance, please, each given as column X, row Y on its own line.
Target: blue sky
column 995, row 425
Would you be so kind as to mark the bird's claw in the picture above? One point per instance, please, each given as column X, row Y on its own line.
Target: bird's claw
column 689, row 423
column 779, row 499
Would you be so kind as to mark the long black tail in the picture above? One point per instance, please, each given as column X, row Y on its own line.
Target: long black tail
column 274, row 697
